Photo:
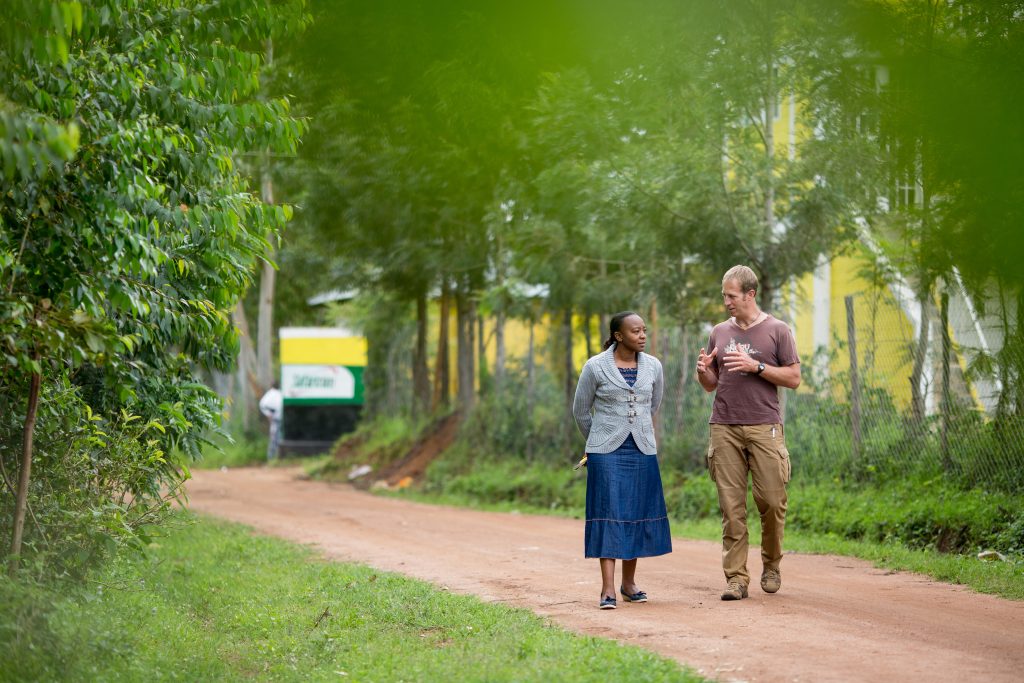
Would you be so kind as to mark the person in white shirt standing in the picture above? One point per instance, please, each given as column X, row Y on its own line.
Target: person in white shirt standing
column 272, row 407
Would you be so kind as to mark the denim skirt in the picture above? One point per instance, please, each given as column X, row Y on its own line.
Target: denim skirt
column 626, row 516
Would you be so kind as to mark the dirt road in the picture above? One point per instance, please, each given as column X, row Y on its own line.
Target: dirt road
column 836, row 619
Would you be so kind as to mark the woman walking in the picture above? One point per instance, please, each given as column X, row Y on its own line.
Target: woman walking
column 618, row 393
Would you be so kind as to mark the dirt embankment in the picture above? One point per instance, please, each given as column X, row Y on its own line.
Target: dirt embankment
column 836, row 618
column 381, row 470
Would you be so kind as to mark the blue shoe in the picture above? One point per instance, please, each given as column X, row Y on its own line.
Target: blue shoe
column 639, row 596
column 607, row 603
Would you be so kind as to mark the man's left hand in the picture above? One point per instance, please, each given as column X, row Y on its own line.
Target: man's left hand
column 739, row 361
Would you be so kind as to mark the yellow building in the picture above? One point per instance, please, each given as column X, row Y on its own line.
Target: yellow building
column 887, row 316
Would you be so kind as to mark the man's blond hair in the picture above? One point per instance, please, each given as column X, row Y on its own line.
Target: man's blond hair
column 744, row 276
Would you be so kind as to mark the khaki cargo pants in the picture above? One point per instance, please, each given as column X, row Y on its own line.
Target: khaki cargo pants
column 759, row 450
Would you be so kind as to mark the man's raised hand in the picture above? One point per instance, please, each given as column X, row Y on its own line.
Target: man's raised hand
column 705, row 359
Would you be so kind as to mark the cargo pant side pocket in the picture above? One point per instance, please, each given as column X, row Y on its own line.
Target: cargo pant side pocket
column 787, row 467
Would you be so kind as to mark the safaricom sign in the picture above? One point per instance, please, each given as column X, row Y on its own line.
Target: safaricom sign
column 317, row 381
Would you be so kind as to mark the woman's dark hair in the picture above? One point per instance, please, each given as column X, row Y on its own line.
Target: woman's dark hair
column 614, row 325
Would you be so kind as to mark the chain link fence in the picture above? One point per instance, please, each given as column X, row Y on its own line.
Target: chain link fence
column 899, row 389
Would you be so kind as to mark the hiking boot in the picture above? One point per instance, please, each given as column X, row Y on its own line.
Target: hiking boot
column 735, row 591
column 771, row 580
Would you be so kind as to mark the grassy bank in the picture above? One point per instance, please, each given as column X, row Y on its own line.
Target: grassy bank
column 212, row 602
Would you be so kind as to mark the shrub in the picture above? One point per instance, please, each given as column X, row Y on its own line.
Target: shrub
column 485, row 480
column 502, row 423
column 690, row 496
column 918, row 512
column 99, row 482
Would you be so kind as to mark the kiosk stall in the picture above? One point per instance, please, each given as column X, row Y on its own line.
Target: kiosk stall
column 322, row 384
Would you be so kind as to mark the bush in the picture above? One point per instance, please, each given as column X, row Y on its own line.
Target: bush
column 487, row 480
column 501, row 424
column 690, row 496
column 98, row 482
column 919, row 513
column 1011, row 537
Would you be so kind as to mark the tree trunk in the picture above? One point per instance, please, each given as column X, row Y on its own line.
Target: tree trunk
column 1003, row 407
column 268, row 281
column 569, row 368
column 247, row 385
column 243, row 403
column 420, row 373
column 499, row 350
column 769, row 158
column 851, row 345
column 481, row 350
column 464, row 350
column 21, row 500
column 652, row 329
column 223, row 384
column 767, row 292
column 499, row 316
column 587, row 335
column 442, row 372
column 767, row 288
column 947, row 461
column 397, row 379
column 1018, row 391
column 265, row 328
column 531, row 383
column 917, row 400
column 684, row 367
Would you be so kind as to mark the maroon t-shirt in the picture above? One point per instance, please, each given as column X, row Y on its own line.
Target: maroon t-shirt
column 744, row 398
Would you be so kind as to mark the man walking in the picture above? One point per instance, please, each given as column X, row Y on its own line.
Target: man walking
column 752, row 355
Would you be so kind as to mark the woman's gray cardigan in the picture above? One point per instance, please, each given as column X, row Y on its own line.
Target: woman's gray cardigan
column 618, row 409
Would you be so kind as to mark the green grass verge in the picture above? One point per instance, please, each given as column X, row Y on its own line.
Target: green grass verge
column 240, row 451
column 213, row 602
column 1005, row 579
column 251, row 451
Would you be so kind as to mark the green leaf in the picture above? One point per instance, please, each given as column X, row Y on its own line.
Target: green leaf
column 94, row 342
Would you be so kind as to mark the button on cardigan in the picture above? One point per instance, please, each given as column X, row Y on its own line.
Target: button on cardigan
column 607, row 409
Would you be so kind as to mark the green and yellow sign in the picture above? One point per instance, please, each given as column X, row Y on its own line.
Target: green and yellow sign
column 321, row 365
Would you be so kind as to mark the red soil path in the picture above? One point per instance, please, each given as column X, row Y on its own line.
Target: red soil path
column 836, row 618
